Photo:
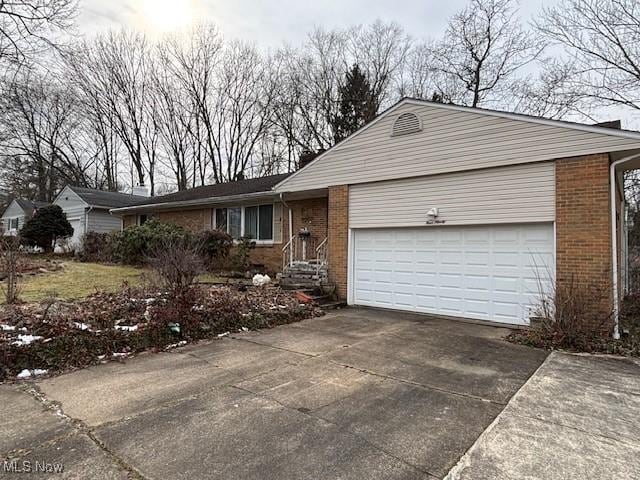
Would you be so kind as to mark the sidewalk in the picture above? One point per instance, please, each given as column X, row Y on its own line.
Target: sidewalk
column 578, row 417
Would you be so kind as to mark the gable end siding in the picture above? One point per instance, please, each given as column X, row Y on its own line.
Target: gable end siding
column 450, row 141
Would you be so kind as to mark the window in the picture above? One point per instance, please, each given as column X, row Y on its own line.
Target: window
column 265, row 222
column 142, row 219
column 221, row 219
column 251, row 222
column 235, row 222
column 255, row 222
column 13, row 223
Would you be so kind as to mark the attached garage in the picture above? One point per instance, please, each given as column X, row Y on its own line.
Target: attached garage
column 468, row 212
column 486, row 254
column 482, row 272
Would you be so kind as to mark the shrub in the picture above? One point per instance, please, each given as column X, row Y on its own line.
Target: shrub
column 214, row 245
column 10, row 268
column 177, row 262
column 95, row 247
column 135, row 244
column 569, row 318
column 47, row 225
column 241, row 258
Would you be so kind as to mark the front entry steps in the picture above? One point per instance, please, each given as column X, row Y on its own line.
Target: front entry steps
column 312, row 280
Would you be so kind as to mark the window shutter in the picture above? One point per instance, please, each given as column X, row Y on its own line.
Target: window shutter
column 277, row 222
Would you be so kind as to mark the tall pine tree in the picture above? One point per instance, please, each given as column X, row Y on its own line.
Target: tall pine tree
column 357, row 104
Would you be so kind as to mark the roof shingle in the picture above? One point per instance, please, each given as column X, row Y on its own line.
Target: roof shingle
column 100, row 198
column 239, row 187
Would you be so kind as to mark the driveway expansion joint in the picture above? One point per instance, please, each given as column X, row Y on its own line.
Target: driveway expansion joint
column 420, row 385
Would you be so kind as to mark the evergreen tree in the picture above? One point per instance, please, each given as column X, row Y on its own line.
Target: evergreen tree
column 47, row 225
column 358, row 105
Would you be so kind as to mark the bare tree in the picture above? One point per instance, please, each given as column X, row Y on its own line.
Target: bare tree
column 193, row 62
column 29, row 27
column 40, row 121
column 112, row 72
column 602, row 39
column 381, row 50
column 483, row 48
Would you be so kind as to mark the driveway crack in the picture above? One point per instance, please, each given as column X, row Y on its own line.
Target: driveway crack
column 81, row 428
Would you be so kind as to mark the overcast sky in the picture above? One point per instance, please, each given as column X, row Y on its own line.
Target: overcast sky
column 270, row 23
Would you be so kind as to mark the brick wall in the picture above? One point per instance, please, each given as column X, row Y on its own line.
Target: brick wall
column 338, row 234
column 310, row 213
column 194, row 220
column 128, row 220
column 583, row 228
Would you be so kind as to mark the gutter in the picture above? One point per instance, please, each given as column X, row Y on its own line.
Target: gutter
column 614, row 241
column 190, row 203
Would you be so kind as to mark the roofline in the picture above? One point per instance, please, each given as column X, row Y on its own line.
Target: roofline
column 521, row 117
column 69, row 187
column 192, row 203
column 11, row 203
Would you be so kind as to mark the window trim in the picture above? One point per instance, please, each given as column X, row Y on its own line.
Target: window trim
column 214, row 223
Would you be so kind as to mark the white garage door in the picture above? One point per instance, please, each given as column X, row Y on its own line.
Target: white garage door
column 78, row 231
column 487, row 272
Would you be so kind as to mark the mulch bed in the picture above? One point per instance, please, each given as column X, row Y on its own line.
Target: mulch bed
column 55, row 337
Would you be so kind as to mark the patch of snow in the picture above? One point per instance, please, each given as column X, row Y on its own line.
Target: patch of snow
column 175, row 345
column 101, row 357
column 261, row 280
column 81, row 326
column 31, row 373
column 149, row 300
column 120, row 354
column 225, row 334
column 7, row 328
column 244, row 329
column 26, row 339
column 127, row 328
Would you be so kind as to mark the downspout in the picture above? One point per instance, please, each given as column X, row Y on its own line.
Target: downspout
column 290, row 227
column 614, row 241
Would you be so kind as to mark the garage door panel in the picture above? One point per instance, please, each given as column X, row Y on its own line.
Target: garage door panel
column 487, row 272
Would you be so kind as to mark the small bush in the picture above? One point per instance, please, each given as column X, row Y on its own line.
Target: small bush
column 177, row 262
column 135, row 244
column 241, row 258
column 569, row 318
column 47, row 225
column 214, row 245
column 10, row 268
column 95, row 247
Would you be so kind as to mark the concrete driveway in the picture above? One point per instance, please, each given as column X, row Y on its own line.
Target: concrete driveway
column 355, row 394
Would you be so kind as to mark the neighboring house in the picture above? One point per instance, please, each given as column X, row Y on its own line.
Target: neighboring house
column 17, row 213
column 88, row 210
column 443, row 209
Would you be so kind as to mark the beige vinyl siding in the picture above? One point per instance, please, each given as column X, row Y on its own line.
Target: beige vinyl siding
column 516, row 194
column 450, row 141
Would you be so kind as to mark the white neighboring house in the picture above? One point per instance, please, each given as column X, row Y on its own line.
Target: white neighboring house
column 88, row 210
column 17, row 213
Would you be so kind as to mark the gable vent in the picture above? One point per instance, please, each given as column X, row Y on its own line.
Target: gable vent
column 405, row 124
